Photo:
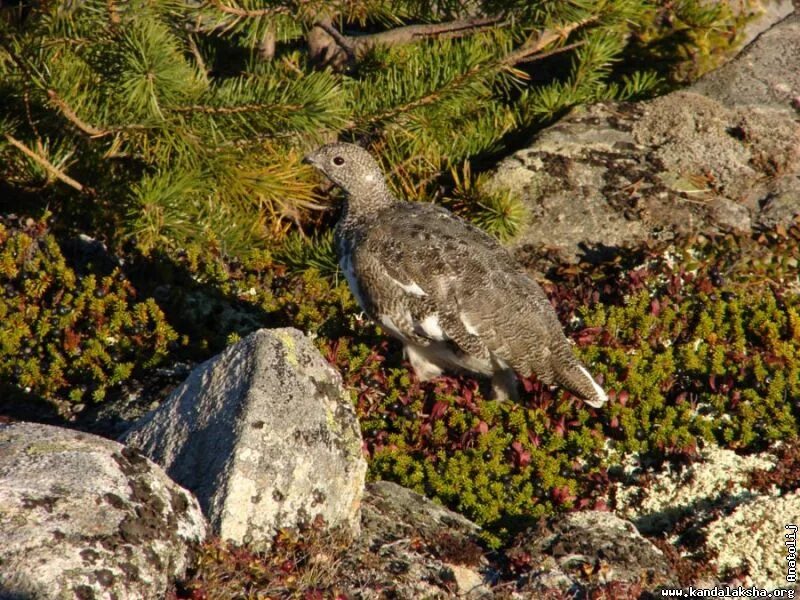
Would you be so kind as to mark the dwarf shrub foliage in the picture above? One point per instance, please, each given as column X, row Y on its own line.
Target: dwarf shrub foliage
column 65, row 337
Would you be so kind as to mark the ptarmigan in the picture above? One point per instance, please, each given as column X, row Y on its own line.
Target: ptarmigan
column 454, row 297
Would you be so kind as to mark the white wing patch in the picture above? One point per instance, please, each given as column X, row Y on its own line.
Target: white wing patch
column 600, row 391
column 411, row 288
column 431, row 328
column 467, row 325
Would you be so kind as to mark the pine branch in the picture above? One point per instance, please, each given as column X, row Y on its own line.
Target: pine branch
column 355, row 47
column 238, row 11
column 45, row 164
column 424, row 100
column 531, row 51
column 233, row 110
column 67, row 111
column 527, row 55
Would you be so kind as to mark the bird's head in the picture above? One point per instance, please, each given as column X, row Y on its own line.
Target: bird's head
column 350, row 167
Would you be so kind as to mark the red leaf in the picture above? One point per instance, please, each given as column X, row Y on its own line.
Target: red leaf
column 561, row 495
column 521, row 457
column 439, row 410
column 288, row 566
column 655, row 307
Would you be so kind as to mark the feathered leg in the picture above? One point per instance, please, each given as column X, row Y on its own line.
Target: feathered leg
column 505, row 385
column 424, row 368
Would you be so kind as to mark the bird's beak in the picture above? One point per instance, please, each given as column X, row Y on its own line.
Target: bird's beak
column 325, row 183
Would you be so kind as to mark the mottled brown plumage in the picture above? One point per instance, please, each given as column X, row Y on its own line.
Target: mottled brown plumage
column 454, row 297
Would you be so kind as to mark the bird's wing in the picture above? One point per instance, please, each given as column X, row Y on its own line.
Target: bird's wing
column 455, row 282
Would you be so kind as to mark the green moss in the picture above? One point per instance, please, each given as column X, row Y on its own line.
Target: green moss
column 69, row 338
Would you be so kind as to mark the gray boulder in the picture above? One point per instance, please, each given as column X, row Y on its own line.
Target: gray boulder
column 84, row 517
column 264, row 435
column 579, row 552
column 765, row 74
column 761, row 15
column 411, row 547
column 619, row 174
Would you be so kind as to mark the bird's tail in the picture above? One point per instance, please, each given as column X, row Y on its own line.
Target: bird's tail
column 572, row 375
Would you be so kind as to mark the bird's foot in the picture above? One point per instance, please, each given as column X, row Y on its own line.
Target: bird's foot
column 505, row 386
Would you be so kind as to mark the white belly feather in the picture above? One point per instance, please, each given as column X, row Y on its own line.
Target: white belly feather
column 346, row 264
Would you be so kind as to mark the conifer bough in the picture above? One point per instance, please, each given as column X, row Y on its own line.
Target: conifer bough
column 182, row 122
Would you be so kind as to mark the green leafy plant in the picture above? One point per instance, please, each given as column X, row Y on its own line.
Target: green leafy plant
column 65, row 337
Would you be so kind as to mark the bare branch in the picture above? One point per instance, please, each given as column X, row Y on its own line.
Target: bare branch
column 412, row 33
column 70, row 114
column 526, row 57
column 266, row 47
column 46, row 164
column 113, row 12
column 354, row 47
column 343, row 41
column 198, row 57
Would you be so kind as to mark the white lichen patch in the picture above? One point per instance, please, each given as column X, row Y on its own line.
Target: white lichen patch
column 719, row 480
column 235, row 520
column 753, row 536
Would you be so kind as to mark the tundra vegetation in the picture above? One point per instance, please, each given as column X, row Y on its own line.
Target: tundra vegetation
column 170, row 133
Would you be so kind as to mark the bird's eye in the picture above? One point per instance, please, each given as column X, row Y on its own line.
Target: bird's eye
column 338, row 161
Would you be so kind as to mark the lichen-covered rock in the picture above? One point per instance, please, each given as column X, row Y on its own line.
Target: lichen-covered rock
column 764, row 74
column 84, row 517
column 411, row 547
column 718, row 480
column 723, row 155
column 264, row 435
column 752, row 536
column 579, row 551
column 739, row 527
column 616, row 175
